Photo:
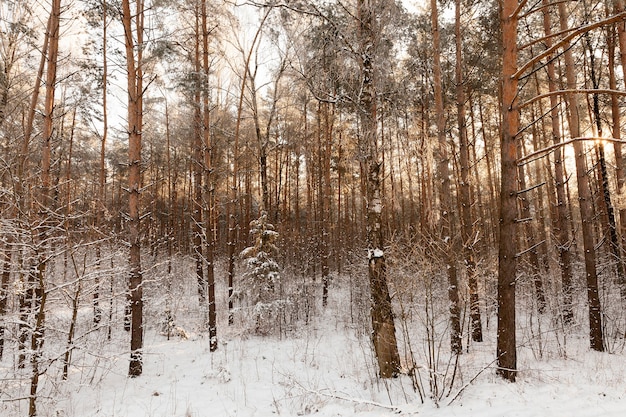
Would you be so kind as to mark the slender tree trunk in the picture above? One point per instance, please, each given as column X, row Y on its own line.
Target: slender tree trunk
column 135, row 127
column 197, row 174
column 39, row 275
column 619, row 160
column 584, row 195
column 445, row 192
column 325, row 191
column 208, row 203
column 37, row 342
column 617, row 149
column 4, row 292
column 97, row 311
column 233, row 218
column 507, row 247
column 491, row 179
column 72, row 330
column 614, row 244
column 467, row 234
column 561, row 213
column 530, row 235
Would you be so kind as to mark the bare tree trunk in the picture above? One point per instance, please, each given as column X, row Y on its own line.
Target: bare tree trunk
column 619, row 159
column 467, row 234
column 491, row 178
column 584, row 195
column 559, row 224
column 233, row 218
column 507, row 247
column 529, row 235
column 384, row 330
column 198, row 168
column 208, row 197
column 100, row 210
column 135, row 125
column 617, row 147
column 445, row 193
column 614, row 244
column 37, row 342
column 39, row 275
column 4, row 292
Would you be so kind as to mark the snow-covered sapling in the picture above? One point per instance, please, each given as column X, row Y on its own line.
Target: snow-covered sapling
column 262, row 276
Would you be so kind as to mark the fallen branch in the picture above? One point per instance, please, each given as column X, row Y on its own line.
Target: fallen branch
column 333, row 394
column 458, row 394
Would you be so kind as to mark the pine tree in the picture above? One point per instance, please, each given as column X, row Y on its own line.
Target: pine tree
column 261, row 280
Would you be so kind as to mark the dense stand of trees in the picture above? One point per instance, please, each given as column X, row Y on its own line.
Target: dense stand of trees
column 353, row 127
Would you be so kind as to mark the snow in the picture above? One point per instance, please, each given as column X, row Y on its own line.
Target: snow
column 324, row 368
column 324, row 373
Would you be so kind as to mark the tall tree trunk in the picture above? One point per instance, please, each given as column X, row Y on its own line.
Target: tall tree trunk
column 21, row 195
column 561, row 215
column 208, row 197
column 619, row 160
column 507, row 265
column 101, row 208
column 135, row 125
column 617, row 147
column 448, row 242
column 614, row 244
column 39, row 304
column 197, row 174
column 325, row 192
column 234, row 207
column 467, row 234
column 584, row 195
column 384, row 330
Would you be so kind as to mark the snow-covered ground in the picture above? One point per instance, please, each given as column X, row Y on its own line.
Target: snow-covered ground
column 324, row 368
column 329, row 372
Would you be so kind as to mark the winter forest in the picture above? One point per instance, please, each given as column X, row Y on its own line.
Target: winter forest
column 312, row 207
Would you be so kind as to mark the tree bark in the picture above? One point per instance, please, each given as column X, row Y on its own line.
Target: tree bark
column 208, row 192
column 135, row 125
column 198, row 174
column 617, row 150
column 467, row 234
column 447, row 232
column 584, row 195
column 38, row 280
column 507, row 247
column 561, row 213
column 101, row 203
column 384, row 331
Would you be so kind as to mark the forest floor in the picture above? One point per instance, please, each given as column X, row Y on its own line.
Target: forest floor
column 325, row 368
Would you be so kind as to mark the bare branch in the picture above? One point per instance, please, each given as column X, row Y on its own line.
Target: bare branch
column 580, row 31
